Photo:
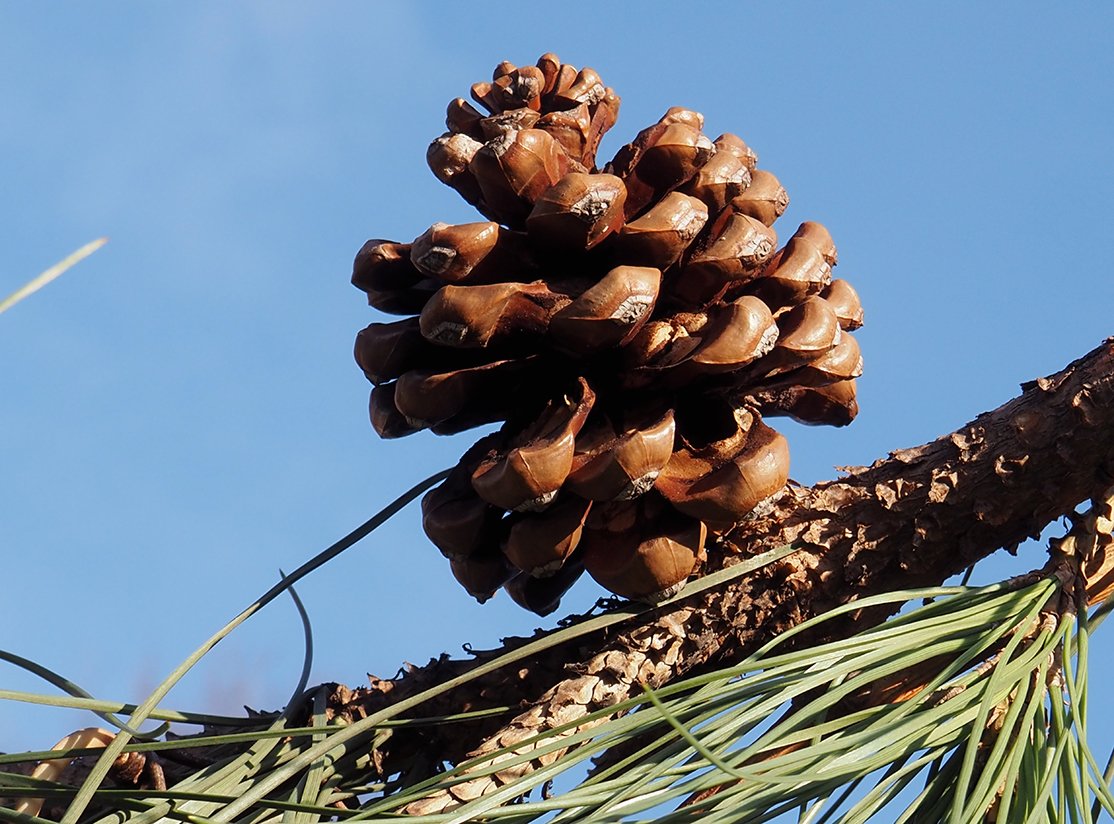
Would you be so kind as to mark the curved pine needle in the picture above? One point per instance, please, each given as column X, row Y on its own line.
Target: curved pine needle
column 689, row 738
column 307, row 635
column 72, row 689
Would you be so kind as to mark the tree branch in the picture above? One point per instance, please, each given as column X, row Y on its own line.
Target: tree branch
column 912, row 519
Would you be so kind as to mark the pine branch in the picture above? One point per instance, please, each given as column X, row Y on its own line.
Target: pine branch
column 909, row 520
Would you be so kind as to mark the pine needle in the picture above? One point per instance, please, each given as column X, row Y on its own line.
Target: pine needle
column 50, row 274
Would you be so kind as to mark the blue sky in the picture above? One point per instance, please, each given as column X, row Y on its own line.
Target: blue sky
column 181, row 415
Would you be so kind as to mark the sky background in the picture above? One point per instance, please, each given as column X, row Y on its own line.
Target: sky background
column 181, row 415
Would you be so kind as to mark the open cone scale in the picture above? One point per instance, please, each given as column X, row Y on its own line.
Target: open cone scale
column 631, row 325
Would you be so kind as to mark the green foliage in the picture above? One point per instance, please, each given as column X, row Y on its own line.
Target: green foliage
column 975, row 700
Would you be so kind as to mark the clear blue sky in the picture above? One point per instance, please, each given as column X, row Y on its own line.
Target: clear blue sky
column 181, row 415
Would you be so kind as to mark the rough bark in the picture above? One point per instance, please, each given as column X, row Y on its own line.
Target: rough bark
column 911, row 519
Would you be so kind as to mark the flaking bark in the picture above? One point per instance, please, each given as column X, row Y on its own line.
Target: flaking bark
column 912, row 519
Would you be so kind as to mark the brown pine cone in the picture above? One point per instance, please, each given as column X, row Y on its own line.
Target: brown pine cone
column 630, row 324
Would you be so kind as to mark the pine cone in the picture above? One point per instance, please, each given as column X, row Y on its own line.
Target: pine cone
column 630, row 325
